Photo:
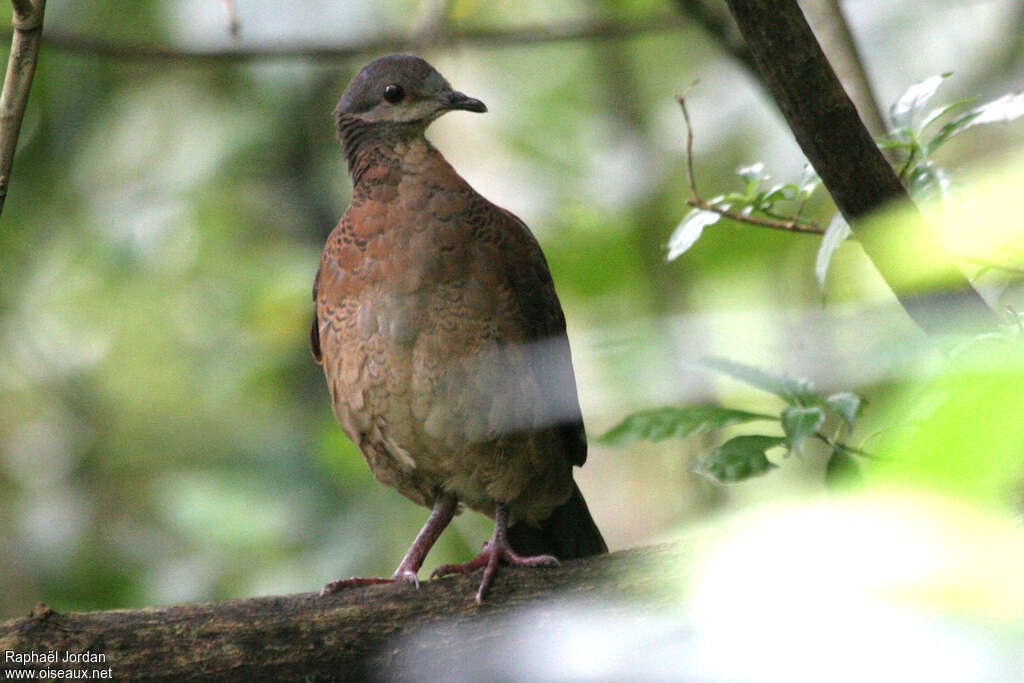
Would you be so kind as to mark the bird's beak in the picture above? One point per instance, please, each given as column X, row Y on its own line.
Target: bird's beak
column 458, row 100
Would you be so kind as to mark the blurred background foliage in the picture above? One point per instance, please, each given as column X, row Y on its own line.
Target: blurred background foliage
column 164, row 433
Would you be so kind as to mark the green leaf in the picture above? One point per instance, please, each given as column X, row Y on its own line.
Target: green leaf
column 950, row 130
column 777, row 192
column 675, row 422
column 903, row 110
column 846, row 405
column 738, row 458
column 809, row 182
column 689, row 231
column 793, row 391
column 1002, row 110
column 836, row 233
column 752, row 174
column 842, row 472
column 937, row 113
column 800, row 422
column 890, row 143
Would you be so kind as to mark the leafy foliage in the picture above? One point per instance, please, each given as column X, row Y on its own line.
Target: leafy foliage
column 804, row 416
column 914, row 132
column 739, row 458
column 676, row 422
column 916, row 135
column 758, row 198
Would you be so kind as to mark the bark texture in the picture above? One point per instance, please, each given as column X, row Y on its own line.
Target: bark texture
column 360, row 634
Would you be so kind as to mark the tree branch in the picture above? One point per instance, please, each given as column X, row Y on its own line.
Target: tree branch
column 829, row 23
column 21, row 67
column 356, row 634
column 695, row 200
column 860, row 180
column 483, row 37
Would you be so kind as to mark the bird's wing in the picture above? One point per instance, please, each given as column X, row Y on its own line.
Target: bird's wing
column 542, row 316
column 314, row 330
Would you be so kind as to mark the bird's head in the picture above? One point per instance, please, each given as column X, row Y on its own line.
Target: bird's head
column 401, row 89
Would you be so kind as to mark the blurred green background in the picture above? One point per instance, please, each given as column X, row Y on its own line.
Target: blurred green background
column 164, row 433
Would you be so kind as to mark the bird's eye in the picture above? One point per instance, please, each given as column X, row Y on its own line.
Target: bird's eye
column 394, row 93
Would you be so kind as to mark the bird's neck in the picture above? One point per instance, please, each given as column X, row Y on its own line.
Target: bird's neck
column 369, row 144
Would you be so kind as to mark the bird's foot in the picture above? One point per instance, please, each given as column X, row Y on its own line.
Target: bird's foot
column 356, row 581
column 493, row 554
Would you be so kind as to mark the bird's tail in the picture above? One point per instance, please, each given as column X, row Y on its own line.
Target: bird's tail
column 569, row 533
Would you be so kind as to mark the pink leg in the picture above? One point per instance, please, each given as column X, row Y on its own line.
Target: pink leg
column 494, row 552
column 440, row 516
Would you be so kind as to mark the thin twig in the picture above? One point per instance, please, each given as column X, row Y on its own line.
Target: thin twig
column 535, row 34
column 21, row 67
column 681, row 99
column 790, row 225
column 840, row 446
column 907, row 164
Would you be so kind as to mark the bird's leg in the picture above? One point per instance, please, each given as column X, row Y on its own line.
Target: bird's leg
column 440, row 516
column 494, row 552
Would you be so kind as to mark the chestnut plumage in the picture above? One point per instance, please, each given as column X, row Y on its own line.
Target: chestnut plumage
column 442, row 339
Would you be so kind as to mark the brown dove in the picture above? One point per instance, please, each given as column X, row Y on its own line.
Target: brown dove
column 442, row 339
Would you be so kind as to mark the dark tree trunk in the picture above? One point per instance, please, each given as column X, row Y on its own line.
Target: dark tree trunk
column 853, row 169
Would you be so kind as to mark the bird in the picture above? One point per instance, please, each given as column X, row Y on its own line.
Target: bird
column 442, row 340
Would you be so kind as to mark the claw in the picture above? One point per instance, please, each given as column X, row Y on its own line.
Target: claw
column 494, row 553
column 357, row 581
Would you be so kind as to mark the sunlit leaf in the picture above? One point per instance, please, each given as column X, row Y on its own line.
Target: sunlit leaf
column 836, row 233
column 777, row 192
column 809, row 182
column 799, row 422
column 793, row 391
column 951, row 129
column 963, row 433
column 675, row 422
column 738, row 458
column 937, row 113
column 902, row 112
column 846, row 405
column 1002, row 110
column 752, row 174
column 689, row 231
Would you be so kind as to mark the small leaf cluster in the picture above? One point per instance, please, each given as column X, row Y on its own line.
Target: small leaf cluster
column 803, row 417
column 916, row 133
column 757, row 198
column 919, row 134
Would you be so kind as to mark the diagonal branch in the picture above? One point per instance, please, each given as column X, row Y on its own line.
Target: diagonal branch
column 829, row 23
column 695, row 200
column 852, row 168
column 21, row 67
